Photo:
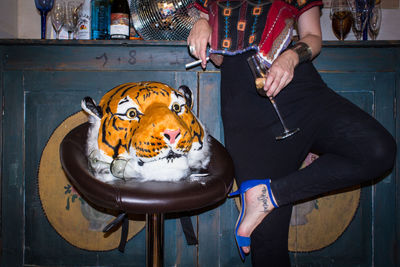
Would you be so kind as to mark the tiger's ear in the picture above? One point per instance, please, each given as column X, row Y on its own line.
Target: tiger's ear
column 89, row 105
column 188, row 94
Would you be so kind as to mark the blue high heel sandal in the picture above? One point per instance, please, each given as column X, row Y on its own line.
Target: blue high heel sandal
column 242, row 241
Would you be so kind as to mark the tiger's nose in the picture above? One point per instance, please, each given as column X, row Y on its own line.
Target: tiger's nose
column 172, row 135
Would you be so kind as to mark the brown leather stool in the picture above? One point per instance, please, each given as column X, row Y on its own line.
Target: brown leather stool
column 151, row 198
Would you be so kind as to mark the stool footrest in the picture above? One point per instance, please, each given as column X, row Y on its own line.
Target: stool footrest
column 124, row 231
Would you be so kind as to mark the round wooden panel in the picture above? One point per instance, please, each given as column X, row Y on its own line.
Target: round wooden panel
column 318, row 223
column 70, row 215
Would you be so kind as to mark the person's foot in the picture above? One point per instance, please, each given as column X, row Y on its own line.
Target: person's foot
column 258, row 206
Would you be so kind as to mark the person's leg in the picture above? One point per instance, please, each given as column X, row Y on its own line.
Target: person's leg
column 250, row 127
column 354, row 148
column 269, row 241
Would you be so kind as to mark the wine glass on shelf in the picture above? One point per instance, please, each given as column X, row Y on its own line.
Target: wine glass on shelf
column 44, row 6
column 358, row 17
column 357, row 25
column 365, row 7
column 260, row 72
column 341, row 18
column 71, row 17
column 375, row 18
column 58, row 16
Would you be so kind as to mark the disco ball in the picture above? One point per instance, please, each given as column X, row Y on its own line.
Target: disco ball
column 163, row 19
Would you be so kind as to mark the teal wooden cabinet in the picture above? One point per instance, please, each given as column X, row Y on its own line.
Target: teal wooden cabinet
column 42, row 83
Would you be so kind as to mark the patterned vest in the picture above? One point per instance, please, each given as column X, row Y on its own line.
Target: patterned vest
column 242, row 25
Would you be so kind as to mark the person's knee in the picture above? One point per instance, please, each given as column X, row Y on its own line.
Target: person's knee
column 381, row 155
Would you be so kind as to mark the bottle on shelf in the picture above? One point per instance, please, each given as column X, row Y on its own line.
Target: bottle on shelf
column 100, row 26
column 84, row 21
column 119, row 26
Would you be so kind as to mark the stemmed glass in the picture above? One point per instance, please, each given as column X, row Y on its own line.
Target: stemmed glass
column 365, row 7
column 358, row 25
column 58, row 16
column 375, row 18
column 44, row 6
column 359, row 21
column 71, row 17
column 341, row 18
column 260, row 72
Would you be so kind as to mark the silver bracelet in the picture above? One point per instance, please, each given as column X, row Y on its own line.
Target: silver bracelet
column 303, row 50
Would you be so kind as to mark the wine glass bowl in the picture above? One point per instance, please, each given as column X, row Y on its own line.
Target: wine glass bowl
column 260, row 72
column 358, row 25
column 375, row 18
column 44, row 6
column 71, row 17
column 341, row 17
column 58, row 16
column 359, row 13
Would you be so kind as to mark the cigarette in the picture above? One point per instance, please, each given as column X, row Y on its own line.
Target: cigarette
column 195, row 63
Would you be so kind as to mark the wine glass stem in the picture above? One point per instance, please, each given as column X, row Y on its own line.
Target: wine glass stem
column 272, row 100
column 341, row 31
column 43, row 16
column 365, row 31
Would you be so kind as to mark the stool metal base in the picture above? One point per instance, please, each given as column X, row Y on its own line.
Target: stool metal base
column 155, row 240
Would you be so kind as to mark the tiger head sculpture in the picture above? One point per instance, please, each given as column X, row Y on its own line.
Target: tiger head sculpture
column 145, row 130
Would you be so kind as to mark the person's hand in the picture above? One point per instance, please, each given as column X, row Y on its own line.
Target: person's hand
column 281, row 72
column 199, row 38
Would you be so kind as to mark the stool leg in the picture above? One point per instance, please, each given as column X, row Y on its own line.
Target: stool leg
column 154, row 240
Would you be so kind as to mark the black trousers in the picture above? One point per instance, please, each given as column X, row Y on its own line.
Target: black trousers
column 353, row 146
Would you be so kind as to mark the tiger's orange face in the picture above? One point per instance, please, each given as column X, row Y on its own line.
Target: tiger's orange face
column 147, row 121
column 146, row 118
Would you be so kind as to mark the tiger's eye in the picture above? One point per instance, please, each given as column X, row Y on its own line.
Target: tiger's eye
column 131, row 113
column 176, row 107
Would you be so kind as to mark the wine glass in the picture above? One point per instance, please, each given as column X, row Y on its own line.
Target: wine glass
column 44, row 6
column 58, row 16
column 71, row 17
column 358, row 17
column 357, row 25
column 375, row 18
column 260, row 72
column 341, row 18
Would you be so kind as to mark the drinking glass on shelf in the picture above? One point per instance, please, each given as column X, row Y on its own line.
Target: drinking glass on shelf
column 44, row 6
column 260, row 72
column 358, row 16
column 358, row 25
column 71, row 17
column 58, row 16
column 341, row 18
column 375, row 18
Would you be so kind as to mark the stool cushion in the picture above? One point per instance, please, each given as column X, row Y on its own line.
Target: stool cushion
column 133, row 196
